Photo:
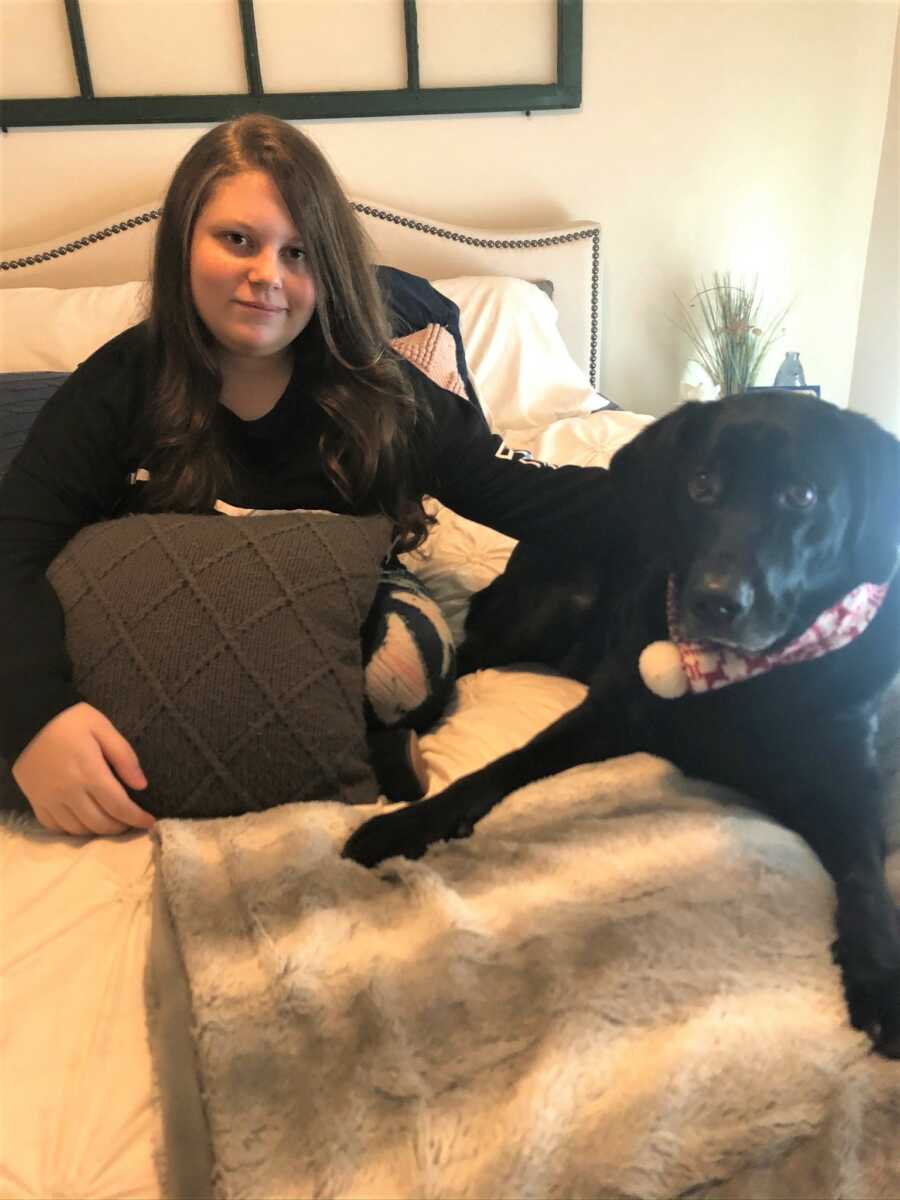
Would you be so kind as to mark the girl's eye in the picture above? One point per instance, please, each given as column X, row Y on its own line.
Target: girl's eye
column 703, row 487
column 800, row 495
column 240, row 241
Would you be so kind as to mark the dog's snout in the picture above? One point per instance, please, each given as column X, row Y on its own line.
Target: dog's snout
column 720, row 599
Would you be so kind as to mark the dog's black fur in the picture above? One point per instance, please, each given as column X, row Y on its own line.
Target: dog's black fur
column 766, row 509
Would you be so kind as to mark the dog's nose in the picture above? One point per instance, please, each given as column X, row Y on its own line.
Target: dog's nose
column 720, row 599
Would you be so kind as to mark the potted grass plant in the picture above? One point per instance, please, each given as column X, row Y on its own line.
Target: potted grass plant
column 729, row 339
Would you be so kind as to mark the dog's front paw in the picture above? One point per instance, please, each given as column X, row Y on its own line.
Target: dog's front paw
column 409, row 831
column 383, row 837
column 874, row 1005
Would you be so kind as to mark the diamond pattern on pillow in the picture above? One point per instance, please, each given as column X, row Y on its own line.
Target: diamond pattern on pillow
column 227, row 651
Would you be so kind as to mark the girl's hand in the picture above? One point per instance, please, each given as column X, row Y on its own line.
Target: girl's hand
column 72, row 773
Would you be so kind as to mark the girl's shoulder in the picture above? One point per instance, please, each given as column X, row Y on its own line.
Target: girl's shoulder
column 127, row 350
column 101, row 398
column 114, row 379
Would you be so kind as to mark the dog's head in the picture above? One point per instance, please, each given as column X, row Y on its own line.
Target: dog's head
column 766, row 508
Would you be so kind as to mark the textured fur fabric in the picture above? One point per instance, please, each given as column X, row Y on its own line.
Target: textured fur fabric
column 620, row 988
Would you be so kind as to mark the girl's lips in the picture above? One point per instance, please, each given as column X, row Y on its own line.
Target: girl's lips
column 262, row 308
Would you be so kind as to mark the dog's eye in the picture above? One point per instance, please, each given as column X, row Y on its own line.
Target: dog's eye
column 703, row 487
column 800, row 495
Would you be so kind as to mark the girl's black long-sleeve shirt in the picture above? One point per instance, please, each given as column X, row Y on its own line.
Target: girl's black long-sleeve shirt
column 78, row 463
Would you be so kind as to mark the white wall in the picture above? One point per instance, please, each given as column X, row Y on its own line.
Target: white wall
column 743, row 136
column 875, row 385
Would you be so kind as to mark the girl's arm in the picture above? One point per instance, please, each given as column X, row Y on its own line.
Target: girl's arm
column 71, row 471
column 477, row 475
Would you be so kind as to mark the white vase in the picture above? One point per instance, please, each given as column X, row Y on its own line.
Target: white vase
column 696, row 383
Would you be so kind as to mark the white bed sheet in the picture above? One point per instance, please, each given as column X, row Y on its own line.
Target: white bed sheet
column 78, row 1118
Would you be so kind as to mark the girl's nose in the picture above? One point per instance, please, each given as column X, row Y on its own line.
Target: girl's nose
column 265, row 269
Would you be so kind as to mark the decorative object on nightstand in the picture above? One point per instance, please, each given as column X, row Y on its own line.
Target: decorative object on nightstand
column 790, row 373
column 729, row 340
column 696, row 383
column 790, row 376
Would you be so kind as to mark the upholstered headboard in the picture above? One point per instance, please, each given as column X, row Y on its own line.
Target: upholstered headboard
column 116, row 249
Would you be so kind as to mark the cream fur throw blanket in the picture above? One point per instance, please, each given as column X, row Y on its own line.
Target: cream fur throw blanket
column 620, row 987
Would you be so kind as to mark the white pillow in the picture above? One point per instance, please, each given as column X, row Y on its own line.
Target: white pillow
column 523, row 372
column 55, row 329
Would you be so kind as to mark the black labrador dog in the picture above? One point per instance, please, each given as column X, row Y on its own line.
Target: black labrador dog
column 742, row 529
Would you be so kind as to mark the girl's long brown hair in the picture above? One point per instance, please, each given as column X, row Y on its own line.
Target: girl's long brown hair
column 369, row 449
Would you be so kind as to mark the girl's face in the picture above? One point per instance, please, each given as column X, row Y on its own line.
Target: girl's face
column 249, row 278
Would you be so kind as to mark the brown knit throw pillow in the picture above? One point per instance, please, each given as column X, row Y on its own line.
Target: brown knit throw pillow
column 227, row 651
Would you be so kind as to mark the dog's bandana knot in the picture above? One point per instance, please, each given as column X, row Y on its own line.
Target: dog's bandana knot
column 671, row 669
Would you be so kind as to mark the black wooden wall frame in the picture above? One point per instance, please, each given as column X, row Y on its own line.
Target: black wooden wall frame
column 413, row 100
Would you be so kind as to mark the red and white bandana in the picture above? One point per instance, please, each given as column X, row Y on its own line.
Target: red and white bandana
column 670, row 669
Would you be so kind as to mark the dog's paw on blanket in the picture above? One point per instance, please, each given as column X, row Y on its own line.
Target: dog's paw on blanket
column 408, row 832
column 874, row 1005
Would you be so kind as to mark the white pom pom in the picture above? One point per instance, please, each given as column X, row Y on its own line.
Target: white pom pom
column 662, row 671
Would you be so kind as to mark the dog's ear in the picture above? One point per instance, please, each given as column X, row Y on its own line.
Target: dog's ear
column 647, row 471
column 875, row 483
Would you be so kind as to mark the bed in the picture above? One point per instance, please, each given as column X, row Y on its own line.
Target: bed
column 620, row 987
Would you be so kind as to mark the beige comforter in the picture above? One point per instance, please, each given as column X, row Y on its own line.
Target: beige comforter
column 620, row 987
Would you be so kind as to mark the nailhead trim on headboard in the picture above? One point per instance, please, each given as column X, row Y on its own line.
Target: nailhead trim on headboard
column 71, row 247
column 379, row 214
